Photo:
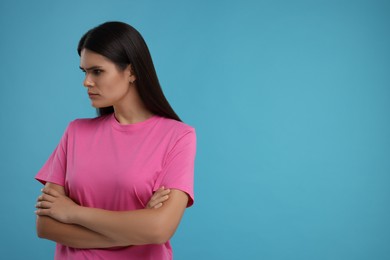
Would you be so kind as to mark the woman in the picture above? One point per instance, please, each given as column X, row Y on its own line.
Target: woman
column 106, row 183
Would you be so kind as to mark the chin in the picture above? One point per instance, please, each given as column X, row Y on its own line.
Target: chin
column 98, row 105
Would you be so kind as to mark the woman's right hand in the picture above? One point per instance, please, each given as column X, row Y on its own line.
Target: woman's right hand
column 159, row 197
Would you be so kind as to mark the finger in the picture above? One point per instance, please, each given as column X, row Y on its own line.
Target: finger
column 157, row 197
column 43, row 205
column 42, row 212
column 158, row 200
column 164, row 192
column 159, row 205
column 161, row 199
column 51, row 192
column 153, row 202
column 153, row 205
column 160, row 193
column 46, row 197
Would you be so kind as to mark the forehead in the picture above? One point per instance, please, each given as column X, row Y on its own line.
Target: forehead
column 89, row 58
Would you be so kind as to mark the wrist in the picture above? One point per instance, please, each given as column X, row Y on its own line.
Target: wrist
column 74, row 216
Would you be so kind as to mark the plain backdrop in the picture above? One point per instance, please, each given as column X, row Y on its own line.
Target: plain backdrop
column 290, row 100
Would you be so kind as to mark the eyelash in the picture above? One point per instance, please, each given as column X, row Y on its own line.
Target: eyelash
column 96, row 72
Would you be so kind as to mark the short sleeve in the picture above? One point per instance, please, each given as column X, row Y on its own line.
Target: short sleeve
column 54, row 169
column 178, row 169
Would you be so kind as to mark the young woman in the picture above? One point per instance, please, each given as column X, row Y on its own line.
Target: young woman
column 107, row 182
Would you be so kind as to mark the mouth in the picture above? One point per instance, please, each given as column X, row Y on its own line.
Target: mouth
column 92, row 94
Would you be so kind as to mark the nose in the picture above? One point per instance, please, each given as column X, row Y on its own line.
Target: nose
column 87, row 82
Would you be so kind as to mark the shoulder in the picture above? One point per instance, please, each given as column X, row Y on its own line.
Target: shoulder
column 86, row 124
column 178, row 135
column 175, row 128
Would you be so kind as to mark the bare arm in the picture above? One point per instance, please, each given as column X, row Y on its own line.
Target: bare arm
column 77, row 236
column 145, row 226
column 71, row 235
column 137, row 227
column 67, row 234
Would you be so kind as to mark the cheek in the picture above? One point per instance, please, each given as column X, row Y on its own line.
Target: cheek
column 104, row 83
column 120, row 83
column 114, row 86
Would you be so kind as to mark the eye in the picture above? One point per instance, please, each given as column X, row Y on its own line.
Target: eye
column 97, row 72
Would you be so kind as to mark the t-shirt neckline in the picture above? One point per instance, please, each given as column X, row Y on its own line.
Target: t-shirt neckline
column 131, row 127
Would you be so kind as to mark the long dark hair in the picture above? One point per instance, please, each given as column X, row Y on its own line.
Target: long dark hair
column 124, row 45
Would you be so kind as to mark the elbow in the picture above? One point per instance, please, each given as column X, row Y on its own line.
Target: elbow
column 161, row 234
column 154, row 234
column 160, row 238
column 40, row 234
column 40, row 227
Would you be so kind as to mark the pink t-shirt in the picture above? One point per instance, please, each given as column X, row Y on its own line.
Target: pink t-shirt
column 104, row 164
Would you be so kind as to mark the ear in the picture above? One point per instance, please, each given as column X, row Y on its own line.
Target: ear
column 131, row 74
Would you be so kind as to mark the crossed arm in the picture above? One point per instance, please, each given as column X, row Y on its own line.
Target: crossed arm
column 63, row 221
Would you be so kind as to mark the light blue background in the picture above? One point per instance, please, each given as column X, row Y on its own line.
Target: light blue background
column 290, row 100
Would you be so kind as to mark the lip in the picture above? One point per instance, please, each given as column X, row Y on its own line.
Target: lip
column 92, row 94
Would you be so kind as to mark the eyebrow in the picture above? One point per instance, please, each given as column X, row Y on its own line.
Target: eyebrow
column 90, row 68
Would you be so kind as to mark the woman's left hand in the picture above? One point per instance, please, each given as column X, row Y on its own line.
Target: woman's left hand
column 55, row 205
column 159, row 197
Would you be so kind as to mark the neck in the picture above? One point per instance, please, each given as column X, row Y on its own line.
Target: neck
column 131, row 109
column 128, row 117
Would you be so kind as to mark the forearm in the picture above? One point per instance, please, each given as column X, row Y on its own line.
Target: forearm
column 71, row 235
column 118, row 228
column 138, row 227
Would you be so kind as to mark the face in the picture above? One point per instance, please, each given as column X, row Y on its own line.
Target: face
column 106, row 84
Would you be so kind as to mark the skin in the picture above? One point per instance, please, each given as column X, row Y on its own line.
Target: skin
column 77, row 236
column 110, row 86
column 60, row 219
